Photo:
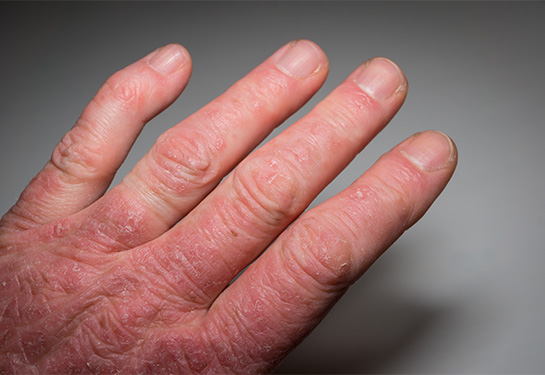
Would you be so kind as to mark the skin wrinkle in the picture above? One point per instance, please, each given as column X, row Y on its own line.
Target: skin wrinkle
column 340, row 218
column 248, row 200
column 209, row 336
column 278, row 296
column 385, row 188
column 257, row 97
column 296, row 160
column 69, row 322
column 127, row 230
column 278, row 200
column 191, row 156
column 158, row 299
column 73, row 358
column 137, row 345
column 294, row 332
column 111, row 330
column 332, row 117
column 229, row 217
column 166, row 311
column 352, row 112
column 280, row 315
column 178, row 273
column 21, row 219
column 158, row 349
column 232, row 221
column 370, row 197
column 211, row 360
column 238, row 218
column 104, row 327
column 127, row 92
column 338, row 273
column 177, row 175
column 25, row 215
column 130, row 94
column 230, row 353
column 243, row 204
column 45, row 350
column 227, row 268
column 75, row 155
column 225, row 117
column 109, row 288
column 71, row 319
column 232, row 326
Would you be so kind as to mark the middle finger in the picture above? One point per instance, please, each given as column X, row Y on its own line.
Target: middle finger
column 188, row 160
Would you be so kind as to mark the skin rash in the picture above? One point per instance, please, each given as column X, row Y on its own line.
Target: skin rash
column 146, row 277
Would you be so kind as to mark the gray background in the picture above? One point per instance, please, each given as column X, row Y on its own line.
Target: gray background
column 463, row 291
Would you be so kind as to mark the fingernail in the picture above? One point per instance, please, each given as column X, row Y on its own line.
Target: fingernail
column 168, row 59
column 430, row 151
column 301, row 59
column 381, row 79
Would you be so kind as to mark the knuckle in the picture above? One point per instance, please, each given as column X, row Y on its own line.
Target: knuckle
column 259, row 93
column 342, row 118
column 184, row 160
column 79, row 154
column 351, row 115
column 246, row 99
column 124, row 93
column 318, row 253
column 270, row 188
column 115, row 223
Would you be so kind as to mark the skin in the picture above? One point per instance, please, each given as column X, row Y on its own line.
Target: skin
column 140, row 279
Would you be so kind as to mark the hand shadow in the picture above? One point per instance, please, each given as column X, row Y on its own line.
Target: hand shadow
column 371, row 326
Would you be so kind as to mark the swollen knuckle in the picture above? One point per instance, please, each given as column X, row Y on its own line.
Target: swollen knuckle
column 78, row 154
column 269, row 188
column 124, row 93
column 182, row 159
column 317, row 250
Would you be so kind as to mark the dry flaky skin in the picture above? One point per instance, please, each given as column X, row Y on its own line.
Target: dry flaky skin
column 140, row 279
column 67, row 309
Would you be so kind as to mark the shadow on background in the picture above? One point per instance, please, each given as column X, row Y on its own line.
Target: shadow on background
column 372, row 326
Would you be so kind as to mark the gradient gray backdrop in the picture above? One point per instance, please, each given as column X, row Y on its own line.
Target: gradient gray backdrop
column 464, row 290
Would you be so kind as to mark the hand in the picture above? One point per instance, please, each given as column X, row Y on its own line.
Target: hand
column 140, row 279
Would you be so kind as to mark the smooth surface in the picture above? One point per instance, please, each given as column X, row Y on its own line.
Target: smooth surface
column 461, row 292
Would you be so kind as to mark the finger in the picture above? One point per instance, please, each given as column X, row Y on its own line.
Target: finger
column 275, row 184
column 83, row 164
column 288, row 290
column 193, row 156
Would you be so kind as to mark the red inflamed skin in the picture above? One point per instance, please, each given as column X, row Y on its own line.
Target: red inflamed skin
column 142, row 278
